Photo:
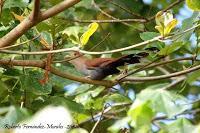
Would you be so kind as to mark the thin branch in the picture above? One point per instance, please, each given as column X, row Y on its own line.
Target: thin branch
column 107, row 20
column 127, row 10
column 97, row 53
column 36, row 11
column 106, row 14
column 176, row 74
column 169, row 7
column 98, row 121
column 106, row 111
column 27, row 23
column 174, row 83
column 139, row 69
column 19, row 44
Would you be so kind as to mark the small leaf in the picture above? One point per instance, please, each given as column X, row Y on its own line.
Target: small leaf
column 193, row 4
column 18, row 17
column 148, row 35
column 118, row 98
column 86, row 36
column 170, row 48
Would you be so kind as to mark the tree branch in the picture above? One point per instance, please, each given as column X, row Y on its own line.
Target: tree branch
column 27, row 23
column 96, row 53
column 36, row 11
column 41, row 64
column 176, row 74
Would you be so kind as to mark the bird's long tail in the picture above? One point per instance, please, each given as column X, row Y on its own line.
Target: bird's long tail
column 129, row 59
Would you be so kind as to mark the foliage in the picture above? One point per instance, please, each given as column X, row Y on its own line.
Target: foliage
column 150, row 106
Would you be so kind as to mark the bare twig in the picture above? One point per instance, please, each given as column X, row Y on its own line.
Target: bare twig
column 108, row 15
column 98, row 121
column 107, row 20
column 126, row 10
column 174, row 83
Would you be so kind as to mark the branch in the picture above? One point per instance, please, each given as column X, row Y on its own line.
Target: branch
column 41, row 64
column 27, row 23
column 174, row 83
column 169, row 7
column 107, row 20
column 106, row 111
column 97, row 53
column 36, row 11
column 127, row 10
column 108, row 15
column 176, row 74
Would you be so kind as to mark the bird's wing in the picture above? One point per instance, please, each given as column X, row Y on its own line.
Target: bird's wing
column 98, row 62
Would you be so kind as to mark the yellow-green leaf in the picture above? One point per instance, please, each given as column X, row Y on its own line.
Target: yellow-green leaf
column 170, row 26
column 165, row 22
column 160, row 29
column 193, row 4
column 86, row 36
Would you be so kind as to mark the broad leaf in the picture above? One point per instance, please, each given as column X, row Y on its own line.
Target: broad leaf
column 162, row 101
column 170, row 48
column 193, row 4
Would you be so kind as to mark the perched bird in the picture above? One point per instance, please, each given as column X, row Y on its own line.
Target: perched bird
column 99, row 68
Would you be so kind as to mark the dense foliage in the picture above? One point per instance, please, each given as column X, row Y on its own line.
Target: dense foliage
column 164, row 105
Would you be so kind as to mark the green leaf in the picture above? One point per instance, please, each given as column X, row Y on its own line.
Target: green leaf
column 118, row 98
column 188, row 23
column 3, row 91
column 162, row 101
column 87, row 98
column 170, row 48
column 78, row 130
column 181, row 125
column 148, row 35
column 14, row 3
column 193, row 4
column 141, row 115
column 73, row 33
column 119, row 124
column 32, row 84
column 193, row 76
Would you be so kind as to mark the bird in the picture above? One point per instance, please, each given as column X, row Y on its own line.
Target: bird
column 100, row 68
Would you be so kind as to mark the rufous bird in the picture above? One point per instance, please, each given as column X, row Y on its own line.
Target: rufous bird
column 99, row 68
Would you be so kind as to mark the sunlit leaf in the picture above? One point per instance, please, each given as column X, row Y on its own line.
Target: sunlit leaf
column 193, row 4
column 170, row 48
column 86, row 36
column 141, row 115
column 181, row 125
column 165, row 22
column 162, row 100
